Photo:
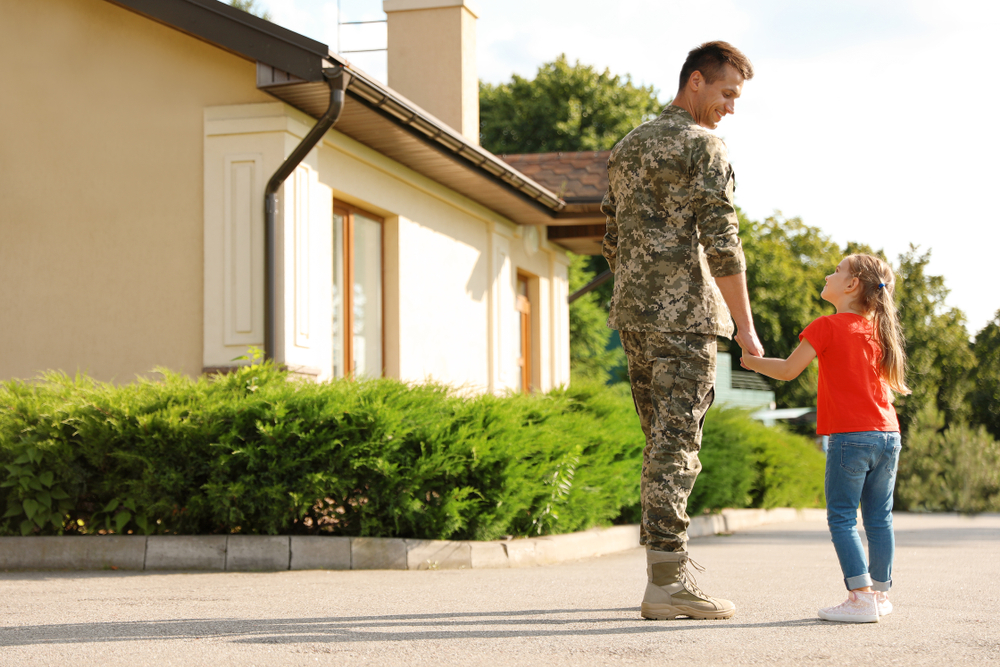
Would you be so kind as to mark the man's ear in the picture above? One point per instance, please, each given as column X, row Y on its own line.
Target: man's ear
column 696, row 80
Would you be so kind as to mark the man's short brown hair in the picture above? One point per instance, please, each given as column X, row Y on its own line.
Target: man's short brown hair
column 710, row 58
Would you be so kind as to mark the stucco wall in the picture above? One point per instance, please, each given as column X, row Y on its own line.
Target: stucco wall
column 450, row 265
column 101, row 256
column 123, row 174
column 449, row 300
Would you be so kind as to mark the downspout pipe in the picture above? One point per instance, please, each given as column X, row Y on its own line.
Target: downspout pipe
column 337, row 79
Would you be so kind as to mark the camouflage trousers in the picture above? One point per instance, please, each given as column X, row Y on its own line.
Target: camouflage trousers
column 673, row 385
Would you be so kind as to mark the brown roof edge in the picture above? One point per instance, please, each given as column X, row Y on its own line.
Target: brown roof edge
column 556, row 155
column 578, row 177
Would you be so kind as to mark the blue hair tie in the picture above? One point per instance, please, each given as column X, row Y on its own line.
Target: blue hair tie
column 881, row 285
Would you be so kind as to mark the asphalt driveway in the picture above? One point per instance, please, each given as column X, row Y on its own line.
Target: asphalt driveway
column 947, row 598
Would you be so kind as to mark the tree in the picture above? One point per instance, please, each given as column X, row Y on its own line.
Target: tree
column 564, row 108
column 939, row 358
column 787, row 261
column 985, row 397
column 590, row 354
column 251, row 7
column 953, row 469
column 946, row 464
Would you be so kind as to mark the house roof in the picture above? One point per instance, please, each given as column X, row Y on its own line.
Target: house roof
column 580, row 179
column 290, row 66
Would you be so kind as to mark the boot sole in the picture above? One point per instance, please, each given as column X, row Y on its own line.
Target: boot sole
column 667, row 612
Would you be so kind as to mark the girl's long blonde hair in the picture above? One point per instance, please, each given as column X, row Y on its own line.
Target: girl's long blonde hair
column 878, row 287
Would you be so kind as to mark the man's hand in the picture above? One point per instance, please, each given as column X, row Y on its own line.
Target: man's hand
column 734, row 291
column 750, row 345
column 748, row 342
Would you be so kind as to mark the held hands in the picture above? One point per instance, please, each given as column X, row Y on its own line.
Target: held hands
column 748, row 342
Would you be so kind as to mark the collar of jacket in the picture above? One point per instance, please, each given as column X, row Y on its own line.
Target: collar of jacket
column 674, row 110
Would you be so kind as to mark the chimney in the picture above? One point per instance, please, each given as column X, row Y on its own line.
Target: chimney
column 432, row 59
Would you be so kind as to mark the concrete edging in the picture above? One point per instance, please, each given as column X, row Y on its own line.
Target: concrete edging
column 294, row 552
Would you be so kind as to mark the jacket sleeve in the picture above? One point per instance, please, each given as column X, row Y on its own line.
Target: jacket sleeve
column 610, row 248
column 712, row 203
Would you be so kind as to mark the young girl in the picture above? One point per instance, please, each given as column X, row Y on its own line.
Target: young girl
column 861, row 361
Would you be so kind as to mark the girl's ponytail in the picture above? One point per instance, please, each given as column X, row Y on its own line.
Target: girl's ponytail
column 878, row 287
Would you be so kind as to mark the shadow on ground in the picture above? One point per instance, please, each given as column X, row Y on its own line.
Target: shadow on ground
column 471, row 625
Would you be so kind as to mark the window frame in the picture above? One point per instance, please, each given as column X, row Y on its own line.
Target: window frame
column 523, row 307
column 348, row 211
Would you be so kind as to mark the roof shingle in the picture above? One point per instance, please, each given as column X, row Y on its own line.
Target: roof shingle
column 581, row 176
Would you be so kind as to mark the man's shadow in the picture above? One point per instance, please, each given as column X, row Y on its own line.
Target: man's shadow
column 392, row 627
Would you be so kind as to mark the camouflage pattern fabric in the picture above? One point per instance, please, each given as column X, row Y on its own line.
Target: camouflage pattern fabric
column 673, row 385
column 671, row 228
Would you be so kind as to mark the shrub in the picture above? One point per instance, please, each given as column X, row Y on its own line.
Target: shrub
column 747, row 464
column 253, row 452
column 953, row 469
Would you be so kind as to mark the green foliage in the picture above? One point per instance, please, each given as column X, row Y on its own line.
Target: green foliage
column 939, row 358
column 787, row 262
column 948, row 469
column 35, row 500
column 747, row 464
column 589, row 335
column 255, row 452
column 564, row 108
column 251, row 7
column 985, row 397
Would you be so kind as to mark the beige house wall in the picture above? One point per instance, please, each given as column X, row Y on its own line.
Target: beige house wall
column 101, row 237
column 135, row 159
column 450, row 265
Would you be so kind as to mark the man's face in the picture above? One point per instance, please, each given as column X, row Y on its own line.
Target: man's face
column 714, row 100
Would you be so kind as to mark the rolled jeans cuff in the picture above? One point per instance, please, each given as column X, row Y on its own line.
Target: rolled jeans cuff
column 881, row 586
column 860, row 581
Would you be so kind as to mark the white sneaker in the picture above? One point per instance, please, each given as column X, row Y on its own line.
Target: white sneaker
column 884, row 606
column 860, row 607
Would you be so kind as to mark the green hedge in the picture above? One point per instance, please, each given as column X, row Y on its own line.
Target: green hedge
column 953, row 469
column 747, row 464
column 253, row 452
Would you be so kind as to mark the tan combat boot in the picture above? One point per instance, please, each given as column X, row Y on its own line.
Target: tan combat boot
column 671, row 591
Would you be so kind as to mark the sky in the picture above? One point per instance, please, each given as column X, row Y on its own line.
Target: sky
column 873, row 120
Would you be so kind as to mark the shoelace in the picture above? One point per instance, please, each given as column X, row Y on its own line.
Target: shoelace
column 688, row 578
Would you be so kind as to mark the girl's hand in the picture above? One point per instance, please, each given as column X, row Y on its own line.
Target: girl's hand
column 781, row 369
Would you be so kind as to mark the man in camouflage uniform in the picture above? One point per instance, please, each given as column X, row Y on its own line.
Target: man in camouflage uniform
column 678, row 263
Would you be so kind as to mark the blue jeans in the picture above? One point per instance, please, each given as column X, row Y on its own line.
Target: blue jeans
column 861, row 468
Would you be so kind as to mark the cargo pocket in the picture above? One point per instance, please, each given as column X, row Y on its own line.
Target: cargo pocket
column 691, row 390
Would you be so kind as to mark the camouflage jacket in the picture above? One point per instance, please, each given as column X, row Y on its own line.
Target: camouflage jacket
column 671, row 227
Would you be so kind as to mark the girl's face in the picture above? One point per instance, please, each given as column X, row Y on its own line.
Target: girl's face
column 840, row 284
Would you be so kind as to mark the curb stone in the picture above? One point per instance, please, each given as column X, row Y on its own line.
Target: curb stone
column 186, row 552
column 284, row 552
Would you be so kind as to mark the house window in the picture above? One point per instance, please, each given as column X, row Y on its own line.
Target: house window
column 524, row 311
column 357, row 312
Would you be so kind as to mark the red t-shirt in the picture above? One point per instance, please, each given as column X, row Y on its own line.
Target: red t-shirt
column 852, row 395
